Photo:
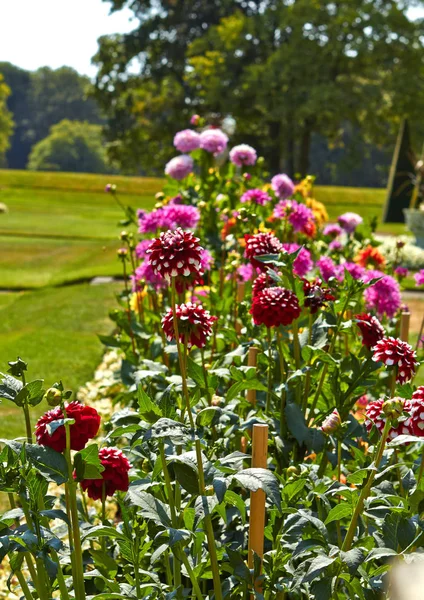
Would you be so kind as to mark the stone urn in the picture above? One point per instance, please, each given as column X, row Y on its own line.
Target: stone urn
column 414, row 218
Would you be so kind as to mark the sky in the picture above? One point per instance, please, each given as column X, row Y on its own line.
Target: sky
column 37, row 33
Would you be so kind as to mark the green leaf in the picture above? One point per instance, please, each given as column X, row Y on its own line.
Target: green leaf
column 178, row 433
column 102, row 531
column 317, row 567
column 353, row 559
column 55, row 514
column 151, row 508
column 195, row 372
column 149, row 411
column 17, row 367
column 296, row 422
column 255, row 479
column 241, row 386
column 293, row 488
column 10, row 387
column 209, row 416
column 204, row 506
column 48, row 462
column 87, row 463
column 358, row 476
column 338, row 512
column 236, row 500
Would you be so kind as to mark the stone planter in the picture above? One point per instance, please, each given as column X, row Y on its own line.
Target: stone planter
column 414, row 219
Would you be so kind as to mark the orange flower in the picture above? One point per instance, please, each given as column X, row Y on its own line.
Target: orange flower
column 370, row 256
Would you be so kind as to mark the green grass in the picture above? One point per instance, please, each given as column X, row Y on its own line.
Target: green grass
column 54, row 330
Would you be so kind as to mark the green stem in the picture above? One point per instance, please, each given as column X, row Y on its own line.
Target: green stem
column 128, row 305
column 207, row 519
column 170, row 496
column 365, row 492
column 191, row 574
column 43, row 588
column 60, row 578
column 269, row 392
column 78, row 567
column 27, row 424
column 308, row 370
column 24, row 585
column 283, row 426
column 103, row 539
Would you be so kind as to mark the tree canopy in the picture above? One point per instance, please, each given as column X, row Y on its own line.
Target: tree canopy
column 285, row 70
column 71, row 146
column 6, row 121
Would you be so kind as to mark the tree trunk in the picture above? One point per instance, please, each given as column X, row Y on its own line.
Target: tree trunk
column 305, row 146
column 275, row 158
column 290, row 169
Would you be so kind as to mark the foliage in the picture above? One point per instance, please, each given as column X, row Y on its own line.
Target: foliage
column 70, row 146
column 6, row 122
column 285, row 70
column 343, row 497
column 41, row 99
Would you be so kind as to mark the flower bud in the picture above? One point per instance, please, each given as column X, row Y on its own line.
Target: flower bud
column 217, row 400
column 122, row 253
column 247, row 176
column 124, row 235
column 53, row 397
column 194, row 120
column 331, row 423
column 110, row 188
column 393, row 408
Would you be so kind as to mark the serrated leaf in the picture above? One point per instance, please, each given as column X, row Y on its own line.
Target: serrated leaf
column 149, row 411
column 10, row 387
column 151, row 508
column 338, row 512
column 87, row 463
column 255, row 479
column 317, row 567
column 209, row 416
column 48, row 462
column 178, row 433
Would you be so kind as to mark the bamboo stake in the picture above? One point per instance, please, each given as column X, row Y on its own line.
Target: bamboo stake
column 252, row 361
column 404, row 326
column 241, row 286
column 257, row 499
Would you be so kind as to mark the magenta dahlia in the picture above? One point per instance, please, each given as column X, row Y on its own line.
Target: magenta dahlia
column 176, row 254
column 396, row 353
column 259, row 245
column 255, row 195
column 384, row 296
column 349, row 221
column 282, row 185
column 299, row 215
column 371, row 329
column 194, row 324
column 213, row 140
column 419, row 278
column 179, row 167
column 187, row 140
column 302, row 264
column 243, row 155
column 275, row 306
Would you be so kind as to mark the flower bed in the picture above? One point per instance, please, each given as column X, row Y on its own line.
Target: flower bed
column 260, row 429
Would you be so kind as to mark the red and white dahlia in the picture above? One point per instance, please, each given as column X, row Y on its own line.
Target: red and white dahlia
column 396, row 353
column 259, row 245
column 176, row 254
column 417, row 411
column 375, row 415
column 371, row 329
column 275, row 306
column 194, row 324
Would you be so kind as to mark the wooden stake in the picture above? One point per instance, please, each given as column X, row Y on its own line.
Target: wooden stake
column 257, row 499
column 241, row 286
column 404, row 326
column 252, row 361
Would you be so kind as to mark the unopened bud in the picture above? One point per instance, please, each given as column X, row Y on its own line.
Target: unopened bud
column 217, row 400
column 194, row 120
column 122, row 252
column 247, row 176
column 393, row 408
column 53, row 397
column 124, row 235
column 332, row 422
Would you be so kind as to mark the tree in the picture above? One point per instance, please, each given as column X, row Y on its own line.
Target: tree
column 6, row 121
column 40, row 99
column 285, row 70
column 71, row 146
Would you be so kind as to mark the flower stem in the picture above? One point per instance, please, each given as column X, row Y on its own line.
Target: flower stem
column 170, row 496
column 196, row 588
column 207, row 518
column 365, row 492
column 24, row 585
column 283, row 426
column 269, row 392
column 103, row 542
column 78, row 567
column 60, row 579
column 127, row 292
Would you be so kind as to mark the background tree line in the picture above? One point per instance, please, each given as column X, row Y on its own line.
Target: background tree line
column 314, row 85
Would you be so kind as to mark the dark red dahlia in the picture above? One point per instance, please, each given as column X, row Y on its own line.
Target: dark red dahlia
column 262, row 282
column 275, row 306
column 375, row 415
column 86, row 426
column 316, row 295
column 417, row 411
column 259, row 245
column 396, row 353
column 176, row 254
column 114, row 476
column 194, row 324
column 371, row 329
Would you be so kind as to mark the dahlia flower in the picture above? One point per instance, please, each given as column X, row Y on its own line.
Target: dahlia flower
column 262, row 282
column 176, row 254
column 316, row 295
column 349, row 221
column 275, row 306
column 140, row 249
column 401, row 272
column 206, row 260
column 213, row 140
column 332, row 230
column 328, row 269
column 259, row 245
column 245, row 272
column 179, row 167
column 355, row 270
column 383, row 296
column 417, row 411
column 180, row 215
column 371, row 329
column 194, row 120
column 194, row 324
column 399, row 354
column 302, row 264
column 282, row 185
column 419, row 278
column 86, row 426
column 375, row 415
column 114, row 477
column 243, row 155
column 331, row 423
column 335, row 246
column 370, row 256
column 299, row 215
column 187, row 140
column 144, row 272
column 257, row 196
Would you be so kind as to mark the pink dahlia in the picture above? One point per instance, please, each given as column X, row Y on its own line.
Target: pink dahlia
column 402, row 272
column 180, row 215
column 206, row 261
column 145, row 273
column 194, row 324
column 259, row 245
column 335, row 246
column 213, row 140
column 275, row 306
column 419, row 278
column 302, row 264
column 417, row 411
column 328, row 269
column 375, row 415
column 384, row 296
column 257, row 196
column 176, row 254
column 179, row 167
column 349, row 221
column 282, row 185
column 332, row 230
column 354, row 269
column 243, row 155
column 245, row 272
column 371, row 329
column 187, row 140
column 140, row 249
column 299, row 215
column 316, row 295
column 398, row 354
column 331, row 423
column 194, row 120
